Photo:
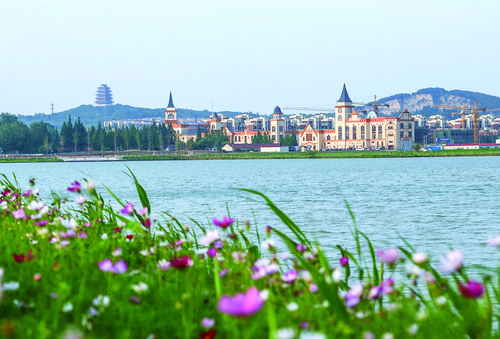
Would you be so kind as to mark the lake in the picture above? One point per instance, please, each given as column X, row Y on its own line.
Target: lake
column 435, row 203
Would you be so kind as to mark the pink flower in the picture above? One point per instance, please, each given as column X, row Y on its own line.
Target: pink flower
column 212, row 252
column 452, row 262
column 128, row 209
column 107, row 266
column 353, row 297
column 181, row 262
column 224, row 223
column 19, row 214
column 143, row 211
column 146, row 222
column 344, row 261
column 495, row 242
column 289, row 277
column 223, row 273
column 209, row 238
column 388, row 256
column 75, row 187
column 301, row 247
column 207, row 322
column 242, row 304
column 471, row 290
column 313, row 288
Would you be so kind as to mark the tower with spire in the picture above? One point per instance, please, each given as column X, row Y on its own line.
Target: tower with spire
column 277, row 124
column 171, row 112
column 343, row 111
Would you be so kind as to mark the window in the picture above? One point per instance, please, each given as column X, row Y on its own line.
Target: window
column 340, row 133
column 274, row 129
column 309, row 137
column 349, row 109
column 354, row 132
column 401, row 125
column 409, row 133
column 327, row 137
column 374, row 132
column 303, row 138
column 346, row 132
column 340, row 110
column 401, row 135
column 409, row 125
column 281, row 128
column 362, row 132
column 340, row 117
column 380, row 132
column 274, row 138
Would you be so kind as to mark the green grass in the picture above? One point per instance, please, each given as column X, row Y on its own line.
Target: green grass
column 60, row 281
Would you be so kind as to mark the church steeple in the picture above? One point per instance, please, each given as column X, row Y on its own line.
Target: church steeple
column 171, row 102
column 344, row 97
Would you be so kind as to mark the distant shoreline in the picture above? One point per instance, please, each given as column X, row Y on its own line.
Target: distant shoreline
column 150, row 156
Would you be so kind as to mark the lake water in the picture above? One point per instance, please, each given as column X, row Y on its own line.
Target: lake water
column 435, row 203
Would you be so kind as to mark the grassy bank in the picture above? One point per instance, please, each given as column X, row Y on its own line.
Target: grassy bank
column 75, row 267
column 316, row 154
column 12, row 159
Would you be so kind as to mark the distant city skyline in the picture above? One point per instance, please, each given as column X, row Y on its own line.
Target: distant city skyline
column 246, row 56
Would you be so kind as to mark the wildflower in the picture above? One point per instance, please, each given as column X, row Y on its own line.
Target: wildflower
column 268, row 243
column 75, row 187
column 207, row 322
column 313, row 288
column 223, row 273
column 68, row 234
column 117, row 252
column 69, row 223
column 128, row 209
column 101, row 301
column 268, row 230
column 452, row 262
column 181, row 262
column 35, row 205
column 495, row 242
column 68, row 307
column 64, row 243
column 140, row 287
column 129, row 237
column 224, row 223
column 164, row 265
column 285, row 333
column 90, row 185
column 375, row 292
column 209, row 238
column 23, row 258
column 388, row 256
column 19, row 214
column 289, row 277
column 41, row 223
column 143, row 211
column 80, row 200
column 238, row 256
column 413, row 329
column 311, row 335
column 210, row 334
column 146, row 222
column 242, row 304
column 11, row 286
column 352, row 297
column 471, row 289
column 337, row 274
column 419, row 258
column 292, row 307
column 344, row 261
column 218, row 244
column 104, row 236
column 301, row 247
column 212, row 252
column 37, row 277
column 107, row 266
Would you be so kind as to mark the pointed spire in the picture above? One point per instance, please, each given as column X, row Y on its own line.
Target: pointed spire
column 170, row 102
column 344, row 97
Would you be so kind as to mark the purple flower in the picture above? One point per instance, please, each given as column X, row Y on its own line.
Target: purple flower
column 344, row 261
column 118, row 268
column 452, row 262
column 471, row 290
column 218, row 244
column 41, row 223
column 313, row 288
column 375, row 292
column 224, row 223
column 212, row 252
column 353, row 297
column 207, row 322
column 242, row 304
column 301, row 247
column 19, row 214
column 223, row 273
column 75, row 187
column 289, row 277
column 181, row 262
column 388, row 256
column 128, row 209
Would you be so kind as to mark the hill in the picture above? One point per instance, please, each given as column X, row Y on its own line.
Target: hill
column 420, row 102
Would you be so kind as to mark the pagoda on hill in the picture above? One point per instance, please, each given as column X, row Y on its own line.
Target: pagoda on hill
column 103, row 96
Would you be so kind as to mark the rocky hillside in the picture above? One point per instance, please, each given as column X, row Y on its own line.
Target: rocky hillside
column 423, row 101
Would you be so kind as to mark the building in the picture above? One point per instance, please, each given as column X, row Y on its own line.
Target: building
column 347, row 130
column 103, row 96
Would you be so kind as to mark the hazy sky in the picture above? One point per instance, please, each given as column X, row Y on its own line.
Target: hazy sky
column 241, row 55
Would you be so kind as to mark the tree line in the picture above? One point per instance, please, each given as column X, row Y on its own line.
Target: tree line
column 42, row 137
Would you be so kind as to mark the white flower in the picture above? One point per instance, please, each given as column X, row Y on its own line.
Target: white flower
column 268, row 243
column 144, row 252
column 11, row 286
column 285, row 333
column 413, row 329
column 104, row 236
column 441, row 300
column 140, row 287
column 90, row 185
column 68, row 307
column 311, row 335
column 337, row 274
column 35, row 205
column 117, row 252
column 414, row 270
column 452, row 262
column 101, row 301
column 264, row 294
column 388, row 335
column 292, row 307
column 69, row 223
column 209, row 238
column 80, row 199
column 419, row 258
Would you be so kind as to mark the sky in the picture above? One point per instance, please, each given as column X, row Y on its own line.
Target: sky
column 239, row 55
